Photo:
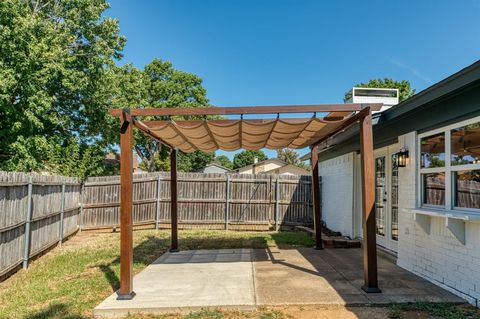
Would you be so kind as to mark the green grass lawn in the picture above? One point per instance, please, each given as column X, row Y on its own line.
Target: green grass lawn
column 70, row 281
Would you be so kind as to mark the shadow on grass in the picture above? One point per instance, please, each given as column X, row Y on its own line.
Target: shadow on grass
column 56, row 310
column 143, row 254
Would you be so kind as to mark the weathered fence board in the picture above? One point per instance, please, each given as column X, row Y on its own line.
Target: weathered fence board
column 30, row 215
column 203, row 198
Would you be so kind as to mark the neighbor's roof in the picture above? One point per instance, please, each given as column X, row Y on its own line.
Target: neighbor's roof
column 216, row 165
column 283, row 166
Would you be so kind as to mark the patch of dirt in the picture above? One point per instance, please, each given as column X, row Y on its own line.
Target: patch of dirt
column 334, row 312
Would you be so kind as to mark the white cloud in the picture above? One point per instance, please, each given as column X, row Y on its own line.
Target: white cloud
column 413, row 70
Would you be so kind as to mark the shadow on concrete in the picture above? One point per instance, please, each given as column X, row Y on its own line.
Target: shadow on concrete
column 335, row 276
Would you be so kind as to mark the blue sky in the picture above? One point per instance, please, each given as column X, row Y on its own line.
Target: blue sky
column 300, row 52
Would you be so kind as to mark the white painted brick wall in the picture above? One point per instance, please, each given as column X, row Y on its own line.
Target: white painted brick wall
column 439, row 256
column 337, row 193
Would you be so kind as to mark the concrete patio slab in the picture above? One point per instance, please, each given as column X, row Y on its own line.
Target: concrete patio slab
column 189, row 280
column 244, row 279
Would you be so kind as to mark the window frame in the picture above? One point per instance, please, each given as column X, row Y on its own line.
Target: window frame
column 448, row 169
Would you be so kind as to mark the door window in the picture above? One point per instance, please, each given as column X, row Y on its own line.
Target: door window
column 380, row 188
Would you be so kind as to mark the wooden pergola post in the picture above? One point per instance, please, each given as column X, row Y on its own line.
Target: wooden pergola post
column 368, row 205
column 316, row 198
column 173, row 200
column 126, row 208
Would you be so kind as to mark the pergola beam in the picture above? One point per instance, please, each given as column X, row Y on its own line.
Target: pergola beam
column 194, row 123
column 351, row 120
column 353, row 107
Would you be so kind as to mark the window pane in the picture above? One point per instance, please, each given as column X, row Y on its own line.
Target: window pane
column 467, row 189
column 394, row 198
column 434, row 188
column 466, row 144
column 433, row 151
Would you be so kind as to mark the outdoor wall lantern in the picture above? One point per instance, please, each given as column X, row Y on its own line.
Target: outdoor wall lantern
column 402, row 158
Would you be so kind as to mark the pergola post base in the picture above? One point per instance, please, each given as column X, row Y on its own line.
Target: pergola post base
column 126, row 296
column 371, row 290
column 173, row 250
column 318, row 248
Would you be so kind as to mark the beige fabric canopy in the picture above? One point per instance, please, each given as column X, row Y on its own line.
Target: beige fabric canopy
column 250, row 134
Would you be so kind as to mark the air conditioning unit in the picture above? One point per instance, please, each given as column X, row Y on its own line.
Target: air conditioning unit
column 389, row 97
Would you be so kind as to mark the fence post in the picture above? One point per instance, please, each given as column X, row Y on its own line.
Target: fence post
column 227, row 202
column 62, row 211
column 277, row 203
column 157, row 207
column 28, row 221
column 82, row 191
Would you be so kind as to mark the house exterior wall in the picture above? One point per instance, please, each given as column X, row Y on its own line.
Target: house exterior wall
column 266, row 167
column 337, row 193
column 259, row 168
column 438, row 256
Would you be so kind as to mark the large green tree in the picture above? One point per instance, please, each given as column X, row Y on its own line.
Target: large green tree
column 291, row 157
column 247, row 157
column 403, row 86
column 224, row 161
column 186, row 162
column 158, row 85
column 55, row 80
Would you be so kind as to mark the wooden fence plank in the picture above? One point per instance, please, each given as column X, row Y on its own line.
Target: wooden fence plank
column 31, row 224
column 215, row 198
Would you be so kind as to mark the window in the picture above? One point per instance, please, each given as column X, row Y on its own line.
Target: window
column 434, row 188
column 450, row 167
column 433, row 151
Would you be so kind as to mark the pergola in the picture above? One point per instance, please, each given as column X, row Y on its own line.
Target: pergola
column 232, row 134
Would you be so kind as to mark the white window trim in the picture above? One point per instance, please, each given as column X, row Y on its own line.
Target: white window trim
column 448, row 170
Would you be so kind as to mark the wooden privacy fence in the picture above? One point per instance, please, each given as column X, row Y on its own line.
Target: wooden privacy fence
column 36, row 212
column 213, row 200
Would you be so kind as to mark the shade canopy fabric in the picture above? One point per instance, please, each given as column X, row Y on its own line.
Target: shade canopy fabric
column 250, row 134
